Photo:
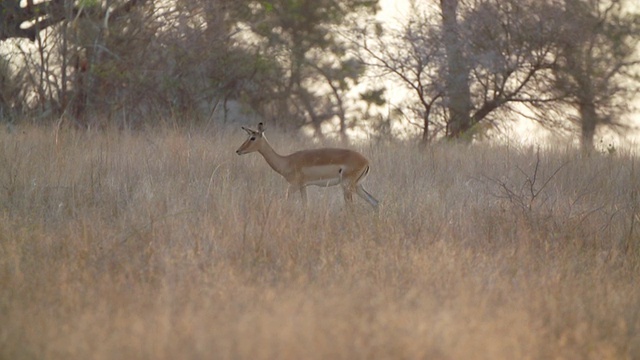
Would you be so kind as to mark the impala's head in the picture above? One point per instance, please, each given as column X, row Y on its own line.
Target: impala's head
column 253, row 142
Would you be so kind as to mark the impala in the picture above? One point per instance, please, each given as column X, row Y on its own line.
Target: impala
column 320, row 167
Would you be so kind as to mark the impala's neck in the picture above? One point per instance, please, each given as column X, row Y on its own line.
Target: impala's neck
column 277, row 162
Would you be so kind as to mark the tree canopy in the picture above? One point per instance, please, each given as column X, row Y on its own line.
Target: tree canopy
column 467, row 66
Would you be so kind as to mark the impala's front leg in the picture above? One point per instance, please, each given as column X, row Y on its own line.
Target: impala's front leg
column 295, row 188
column 303, row 194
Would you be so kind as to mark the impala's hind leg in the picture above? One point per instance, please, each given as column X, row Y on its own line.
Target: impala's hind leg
column 347, row 188
column 365, row 195
column 348, row 194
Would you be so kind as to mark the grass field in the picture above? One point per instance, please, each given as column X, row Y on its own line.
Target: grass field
column 166, row 245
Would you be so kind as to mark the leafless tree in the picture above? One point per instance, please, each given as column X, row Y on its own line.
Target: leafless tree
column 411, row 55
column 472, row 64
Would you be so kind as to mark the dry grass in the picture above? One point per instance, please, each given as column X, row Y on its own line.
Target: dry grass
column 166, row 245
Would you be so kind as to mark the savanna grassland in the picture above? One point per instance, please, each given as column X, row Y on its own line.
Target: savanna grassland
column 164, row 244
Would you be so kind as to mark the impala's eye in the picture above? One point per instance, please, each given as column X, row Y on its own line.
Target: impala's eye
column 252, row 138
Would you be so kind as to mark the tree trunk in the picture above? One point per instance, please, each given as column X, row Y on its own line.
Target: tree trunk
column 580, row 68
column 588, row 121
column 457, row 79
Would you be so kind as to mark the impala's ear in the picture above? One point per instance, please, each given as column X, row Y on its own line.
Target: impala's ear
column 260, row 128
column 249, row 131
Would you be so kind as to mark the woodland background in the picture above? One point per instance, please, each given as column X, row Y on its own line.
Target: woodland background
column 465, row 68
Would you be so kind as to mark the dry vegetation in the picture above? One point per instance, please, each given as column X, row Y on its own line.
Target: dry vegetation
column 166, row 245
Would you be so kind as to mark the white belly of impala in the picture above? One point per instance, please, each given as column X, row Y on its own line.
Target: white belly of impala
column 326, row 175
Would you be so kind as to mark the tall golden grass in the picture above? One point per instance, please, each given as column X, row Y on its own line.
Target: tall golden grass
column 166, row 245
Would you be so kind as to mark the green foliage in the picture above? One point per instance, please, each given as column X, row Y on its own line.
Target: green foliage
column 315, row 61
column 268, row 7
column 374, row 96
column 89, row 3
